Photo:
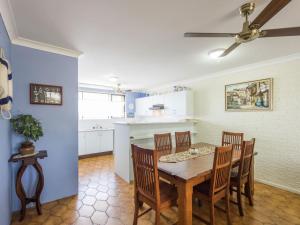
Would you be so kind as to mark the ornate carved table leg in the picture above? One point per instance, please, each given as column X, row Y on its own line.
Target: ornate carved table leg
column 39, row 187
column 20, row 190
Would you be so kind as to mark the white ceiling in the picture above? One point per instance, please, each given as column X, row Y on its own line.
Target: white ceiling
column 142, row 42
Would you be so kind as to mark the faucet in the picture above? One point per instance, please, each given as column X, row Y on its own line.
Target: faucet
column 97, row 126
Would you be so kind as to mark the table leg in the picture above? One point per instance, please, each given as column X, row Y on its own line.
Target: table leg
column 252, row 177
column 39, row 187
column 20, row 190
column 185, row 204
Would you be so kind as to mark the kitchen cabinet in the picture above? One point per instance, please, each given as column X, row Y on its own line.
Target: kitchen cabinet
column 107, row 140
column 95, row 141
column 178, row 104
column 81, row 143
column 92, row 140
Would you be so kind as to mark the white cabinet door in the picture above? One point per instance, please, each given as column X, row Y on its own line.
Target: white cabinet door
column 175, row 104
column 179, row 103
column 107, row 141
column 139, row 106
column 92, row 142
column 81, row 143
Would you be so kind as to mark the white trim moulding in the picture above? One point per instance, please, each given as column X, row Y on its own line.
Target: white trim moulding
column 46, row 47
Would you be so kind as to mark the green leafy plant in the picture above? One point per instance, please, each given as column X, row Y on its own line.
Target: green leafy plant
column 27, row 126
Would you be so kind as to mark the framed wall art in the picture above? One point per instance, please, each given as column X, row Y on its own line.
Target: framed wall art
column 254, row 95
column 44, row 94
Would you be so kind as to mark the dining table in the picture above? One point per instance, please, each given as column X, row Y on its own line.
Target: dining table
column 188, row 173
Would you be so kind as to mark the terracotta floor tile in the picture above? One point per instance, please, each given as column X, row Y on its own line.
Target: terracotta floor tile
column 105, row 199
column 86, row 211
column 114, row 211
column 83, row 221
column 88, row 200
column 101, row 206
column 99, row 218
column 102, row 196
column 91, row 192
column 113, row 221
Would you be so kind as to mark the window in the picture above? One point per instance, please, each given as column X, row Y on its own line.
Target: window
column 100, row 105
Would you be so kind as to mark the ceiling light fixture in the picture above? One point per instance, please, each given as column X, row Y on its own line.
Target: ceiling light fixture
column 113, row 79
column 216, row 53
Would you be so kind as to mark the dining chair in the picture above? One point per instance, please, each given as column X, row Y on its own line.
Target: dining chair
column 183, row 141
column 163, row 143
column 217, row 188
column 148, row 188
column 243, row 176
column 236, row 139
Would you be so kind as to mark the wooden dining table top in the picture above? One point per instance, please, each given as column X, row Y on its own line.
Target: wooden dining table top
column 191, row 168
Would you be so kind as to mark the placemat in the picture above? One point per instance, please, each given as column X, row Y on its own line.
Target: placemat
column 190, row 154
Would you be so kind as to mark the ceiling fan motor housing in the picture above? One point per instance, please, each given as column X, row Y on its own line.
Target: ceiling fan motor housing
column 246, row 36
column 247, row 9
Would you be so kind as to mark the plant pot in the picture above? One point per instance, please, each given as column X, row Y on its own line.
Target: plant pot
column 27, row 148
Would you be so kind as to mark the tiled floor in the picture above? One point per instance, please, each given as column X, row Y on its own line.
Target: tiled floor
column 106, row 199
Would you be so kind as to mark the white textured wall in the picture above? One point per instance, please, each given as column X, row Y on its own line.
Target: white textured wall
column 277, row 132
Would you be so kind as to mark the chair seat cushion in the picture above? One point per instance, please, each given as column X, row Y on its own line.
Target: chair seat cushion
column 234, row 174
column 203, row 188
column 168, row 192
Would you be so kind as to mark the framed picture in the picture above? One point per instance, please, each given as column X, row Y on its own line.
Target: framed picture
column 43, row 94
column 254, row 95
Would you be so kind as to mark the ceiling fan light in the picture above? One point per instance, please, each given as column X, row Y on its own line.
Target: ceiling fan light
column 216, row 53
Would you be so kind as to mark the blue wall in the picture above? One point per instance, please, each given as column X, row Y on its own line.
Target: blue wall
column 130, row 99
column 60, row 123
column 5, row 145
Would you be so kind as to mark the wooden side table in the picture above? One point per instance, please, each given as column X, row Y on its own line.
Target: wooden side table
column 26, row 161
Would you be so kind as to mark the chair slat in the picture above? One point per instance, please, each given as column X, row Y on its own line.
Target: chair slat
column 163, row 143
column 183, row 140
column 236, row 139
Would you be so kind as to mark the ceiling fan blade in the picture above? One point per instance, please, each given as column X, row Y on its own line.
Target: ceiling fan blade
column 209, row 34
column 230, row 49
column 268, row 12
column 281, row 32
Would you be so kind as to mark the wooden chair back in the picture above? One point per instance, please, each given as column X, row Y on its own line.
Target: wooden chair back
column 221, row 169
column 246, row 158
column 163, row 143
column 146, row 173
column 235, row 139
column 183, row 140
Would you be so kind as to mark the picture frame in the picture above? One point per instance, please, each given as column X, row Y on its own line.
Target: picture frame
column 256, row 95
column 44, row 94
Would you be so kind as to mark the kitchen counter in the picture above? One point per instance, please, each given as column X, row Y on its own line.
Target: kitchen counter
column 137, row 122
column 100, row 129
column 141, row 133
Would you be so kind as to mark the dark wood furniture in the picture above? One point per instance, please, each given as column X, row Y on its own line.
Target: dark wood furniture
column 183, row 141
column 231, row 138
column 185, row 175
column 25, row 162
column 243, row 178
column 237, row 140
column 218, row 187
column 163, row 143
column 148, row 188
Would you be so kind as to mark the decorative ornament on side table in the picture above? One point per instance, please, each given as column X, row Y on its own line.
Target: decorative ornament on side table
column 30, row 128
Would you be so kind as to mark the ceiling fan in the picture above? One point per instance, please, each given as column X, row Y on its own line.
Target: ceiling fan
column 118, row 89
column 251, row 30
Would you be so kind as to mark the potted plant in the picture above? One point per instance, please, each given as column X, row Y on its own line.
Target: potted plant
column 30, row 128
